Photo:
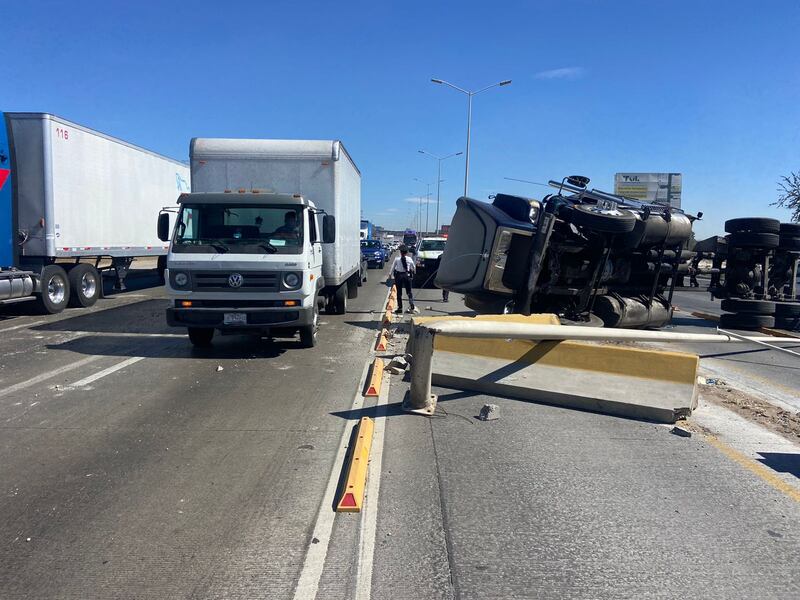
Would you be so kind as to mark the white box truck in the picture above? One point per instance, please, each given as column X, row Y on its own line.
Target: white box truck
column 268, row 236
column 69, row 197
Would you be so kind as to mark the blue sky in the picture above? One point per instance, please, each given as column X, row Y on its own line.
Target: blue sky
column 707, row 88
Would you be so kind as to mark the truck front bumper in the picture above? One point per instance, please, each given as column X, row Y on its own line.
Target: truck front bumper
column 256, row 319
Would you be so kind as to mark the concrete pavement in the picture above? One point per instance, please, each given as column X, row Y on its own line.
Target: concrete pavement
column 556, row 503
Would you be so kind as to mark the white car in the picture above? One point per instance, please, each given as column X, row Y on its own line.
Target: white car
column 427, row 255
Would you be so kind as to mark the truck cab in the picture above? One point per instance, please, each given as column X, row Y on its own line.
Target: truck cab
column 246, row 263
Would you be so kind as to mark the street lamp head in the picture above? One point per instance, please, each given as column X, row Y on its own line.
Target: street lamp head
column 458, row 154
column 506, row 82
column 437, row 81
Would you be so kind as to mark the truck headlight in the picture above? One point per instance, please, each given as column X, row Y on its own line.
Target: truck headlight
column 180, row 279
column 291, row 280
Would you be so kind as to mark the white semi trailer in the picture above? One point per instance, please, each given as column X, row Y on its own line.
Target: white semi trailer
column 268, row 236
column 70, row 197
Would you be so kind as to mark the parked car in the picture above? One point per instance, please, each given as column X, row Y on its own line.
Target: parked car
column 373, row 253
column 427, row 256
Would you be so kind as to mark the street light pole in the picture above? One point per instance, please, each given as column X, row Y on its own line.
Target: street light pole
column 439, row 160
column 427, row 202
column 469, row 117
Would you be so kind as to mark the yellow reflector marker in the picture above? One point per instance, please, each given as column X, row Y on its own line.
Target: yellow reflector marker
column 352, row 498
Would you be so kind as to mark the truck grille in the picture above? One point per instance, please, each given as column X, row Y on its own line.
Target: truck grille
column 252, row 281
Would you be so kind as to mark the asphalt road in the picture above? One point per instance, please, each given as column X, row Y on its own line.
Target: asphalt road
column 132, row 467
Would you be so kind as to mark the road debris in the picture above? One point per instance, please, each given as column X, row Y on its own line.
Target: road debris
column 219, row 368
column 489, row 412
column 680, row 431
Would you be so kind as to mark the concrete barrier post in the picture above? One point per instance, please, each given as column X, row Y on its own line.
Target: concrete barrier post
column 420, row 399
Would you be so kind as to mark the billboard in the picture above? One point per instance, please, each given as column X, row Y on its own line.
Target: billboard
column 662, row 188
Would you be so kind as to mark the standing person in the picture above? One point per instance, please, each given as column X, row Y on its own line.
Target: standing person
column 403, row 270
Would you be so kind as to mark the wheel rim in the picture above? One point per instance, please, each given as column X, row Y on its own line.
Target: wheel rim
column 88, row 285
column 315, row 323
column 56, row 290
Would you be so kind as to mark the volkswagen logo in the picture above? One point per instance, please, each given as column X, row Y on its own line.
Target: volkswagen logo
column 235, row 280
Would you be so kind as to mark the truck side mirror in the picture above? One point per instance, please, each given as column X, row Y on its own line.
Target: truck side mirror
column 328, row 229
column 163, row 227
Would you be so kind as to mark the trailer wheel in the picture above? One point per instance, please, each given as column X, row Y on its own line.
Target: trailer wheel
column 788, row 323
column 596, row 218
column 753, row 224
column 788, row 242
column 84, row 283
column 790, row 229
column 201, row 336
column 784, row 310
column 54, row 285
column 746, row 321
column 753, row 307
column 749, row 239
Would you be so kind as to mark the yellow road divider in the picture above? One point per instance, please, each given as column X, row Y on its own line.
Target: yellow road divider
column 352, row 498
column 387, row 318
column 390, row 304
column 393, row 293
column 383, row 340
column 375, row 378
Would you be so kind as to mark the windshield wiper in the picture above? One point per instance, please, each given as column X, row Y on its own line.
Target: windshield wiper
column 218, row 245
column 268, row 247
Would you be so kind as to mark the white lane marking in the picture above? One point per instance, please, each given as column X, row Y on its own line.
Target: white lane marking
column 44, row 376
column 369, row 523
column 314, row 563
column 108, row 371
column 34, row 324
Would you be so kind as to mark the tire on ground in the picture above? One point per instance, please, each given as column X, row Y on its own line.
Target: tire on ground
column 201, row 336
column 746, row 321
column 591, row 217
column 84, row 285
column 749, row 239
column 753, row 224
column 753, row 307
column 54, row 285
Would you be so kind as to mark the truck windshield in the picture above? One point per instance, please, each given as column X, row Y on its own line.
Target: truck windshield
column 239, row 229
column 432, row 245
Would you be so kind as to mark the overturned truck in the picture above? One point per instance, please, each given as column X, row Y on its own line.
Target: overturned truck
column 591, row 257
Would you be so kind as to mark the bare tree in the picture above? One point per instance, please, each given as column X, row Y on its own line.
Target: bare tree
column 789, row 189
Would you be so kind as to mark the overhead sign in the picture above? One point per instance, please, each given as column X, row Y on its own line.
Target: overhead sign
column 661, row 188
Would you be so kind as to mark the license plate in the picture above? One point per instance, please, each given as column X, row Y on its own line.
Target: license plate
column 234, row 319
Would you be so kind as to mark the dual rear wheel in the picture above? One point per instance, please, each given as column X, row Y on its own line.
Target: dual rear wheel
column 78, row 287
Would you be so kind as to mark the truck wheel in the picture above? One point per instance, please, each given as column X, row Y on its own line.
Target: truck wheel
column 595, row 218
column 754, row 224
column 201, row 336
column 338, row 302
column 84, row 283
column 788, row 323
column 161, row 267
column 749, row 239
column 746, row 321
column 308, row 334
column 753, row 307
column 54, row 285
